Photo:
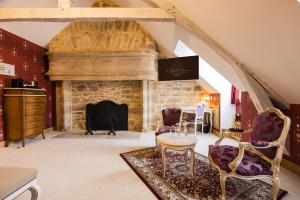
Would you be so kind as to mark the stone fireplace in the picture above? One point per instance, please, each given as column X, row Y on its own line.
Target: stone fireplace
column 128, row 92
column 96, row 61
column 112, row 60
column 144, row 99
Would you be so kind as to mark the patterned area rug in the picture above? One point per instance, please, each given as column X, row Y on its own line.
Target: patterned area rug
column 178, row 183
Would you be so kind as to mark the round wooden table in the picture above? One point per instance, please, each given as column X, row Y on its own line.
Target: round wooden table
column 177, row 143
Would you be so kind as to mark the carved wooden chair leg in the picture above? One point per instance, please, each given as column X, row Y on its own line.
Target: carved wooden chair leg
column 276, row 183
column 223, row 178
column 35, row 192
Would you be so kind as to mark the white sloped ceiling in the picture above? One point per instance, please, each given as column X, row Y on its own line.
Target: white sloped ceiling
column 265, row 35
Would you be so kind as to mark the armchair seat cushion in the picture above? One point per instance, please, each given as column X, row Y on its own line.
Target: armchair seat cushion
column 13, row 178
column 162, row 130
column 251, row 164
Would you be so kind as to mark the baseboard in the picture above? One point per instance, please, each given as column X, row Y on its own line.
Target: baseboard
column 216, row 132
column 290, row 166
column 47, row 130
column 2, row 143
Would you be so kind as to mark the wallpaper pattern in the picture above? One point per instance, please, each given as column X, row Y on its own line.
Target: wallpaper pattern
column 30, row 65
column 247, row 110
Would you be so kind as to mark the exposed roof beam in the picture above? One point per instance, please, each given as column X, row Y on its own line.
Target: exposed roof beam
column 83, row 14
column 257, row 93
column 277, row 100
column 64, row 4
column 258, row 90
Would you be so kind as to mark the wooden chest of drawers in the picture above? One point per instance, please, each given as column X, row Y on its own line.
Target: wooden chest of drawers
column 24, row 113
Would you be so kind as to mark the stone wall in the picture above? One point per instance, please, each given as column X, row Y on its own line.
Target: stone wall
column 106, row 36
column 172, row 94
column 128, row 92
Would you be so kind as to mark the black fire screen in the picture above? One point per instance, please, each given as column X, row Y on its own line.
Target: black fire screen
column 106, row 115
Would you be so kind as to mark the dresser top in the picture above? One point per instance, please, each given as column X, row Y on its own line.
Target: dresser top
column 24, row 89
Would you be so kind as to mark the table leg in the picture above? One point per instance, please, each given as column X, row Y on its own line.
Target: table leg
column 193, row 163
column 186, row 156
column 163, row 160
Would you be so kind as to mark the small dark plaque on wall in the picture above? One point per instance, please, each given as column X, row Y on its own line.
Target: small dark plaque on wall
column 181, row 68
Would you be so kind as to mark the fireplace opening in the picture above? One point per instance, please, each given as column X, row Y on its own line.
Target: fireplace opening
column 106, row 115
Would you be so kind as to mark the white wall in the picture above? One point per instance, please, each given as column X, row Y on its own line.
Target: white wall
column 216, row 80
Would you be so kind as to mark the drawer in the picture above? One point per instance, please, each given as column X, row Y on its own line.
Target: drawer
column 29, row 99
column 32, row 112
column 35, row 106
column 33, row 131
column 34, row 92
column 35, row 124
column 34, row 118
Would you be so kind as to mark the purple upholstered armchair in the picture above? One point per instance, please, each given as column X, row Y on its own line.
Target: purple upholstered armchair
column 171, row 117
column 259, row 153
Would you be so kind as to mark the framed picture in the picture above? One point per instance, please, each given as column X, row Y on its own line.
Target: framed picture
column 7, row 69
column 181, row 68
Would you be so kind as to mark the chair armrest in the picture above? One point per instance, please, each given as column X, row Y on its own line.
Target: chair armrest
column 258, row 144
column 157, row 125
column 254, row 149
column 235, row 163
column 226, row 133
column 246, row 138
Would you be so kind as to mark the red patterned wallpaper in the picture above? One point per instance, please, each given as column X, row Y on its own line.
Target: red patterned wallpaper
column 30, row 64
column 248, row 112
column 294, row 114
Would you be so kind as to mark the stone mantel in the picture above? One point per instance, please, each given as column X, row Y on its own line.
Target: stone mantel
column 102, row 65
column 84, row 54
column 106, row 50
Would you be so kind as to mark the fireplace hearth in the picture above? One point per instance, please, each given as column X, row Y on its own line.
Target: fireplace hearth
column 106, row 115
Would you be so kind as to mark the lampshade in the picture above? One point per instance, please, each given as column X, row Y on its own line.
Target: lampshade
column 206, row 98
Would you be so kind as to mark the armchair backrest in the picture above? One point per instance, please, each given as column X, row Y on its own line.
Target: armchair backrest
column 171, row 116
column 267, row 127
column 200, row 109
column 270, row 126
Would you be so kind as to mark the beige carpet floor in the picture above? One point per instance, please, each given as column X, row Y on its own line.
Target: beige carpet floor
column 91, row 169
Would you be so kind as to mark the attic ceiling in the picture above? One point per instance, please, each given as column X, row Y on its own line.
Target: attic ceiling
column 262, row 34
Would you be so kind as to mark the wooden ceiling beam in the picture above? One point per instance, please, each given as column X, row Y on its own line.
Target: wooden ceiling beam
column 66, row 14
column 64, row 4
column 259, row 91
